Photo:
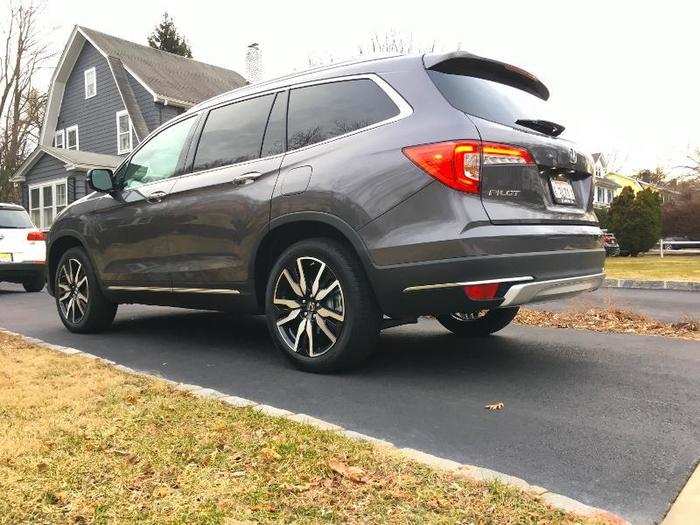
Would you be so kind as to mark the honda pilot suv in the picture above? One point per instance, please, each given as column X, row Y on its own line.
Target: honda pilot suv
column 338, row 202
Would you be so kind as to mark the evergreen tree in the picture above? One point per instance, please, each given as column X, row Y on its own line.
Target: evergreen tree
column 166, row 38
column 636, row 220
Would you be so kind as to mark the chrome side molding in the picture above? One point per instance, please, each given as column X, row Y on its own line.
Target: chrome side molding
column 222, row 291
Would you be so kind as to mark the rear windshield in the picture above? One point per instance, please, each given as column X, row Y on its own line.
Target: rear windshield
column 490, row 100
column 15, row 219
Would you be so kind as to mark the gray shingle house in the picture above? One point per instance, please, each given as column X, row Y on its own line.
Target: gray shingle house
column 107, row 94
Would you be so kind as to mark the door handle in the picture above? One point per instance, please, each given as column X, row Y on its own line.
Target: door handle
column 246, row 178
column 156, row 197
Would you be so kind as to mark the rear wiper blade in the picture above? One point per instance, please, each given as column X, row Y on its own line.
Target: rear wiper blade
column 543, row 126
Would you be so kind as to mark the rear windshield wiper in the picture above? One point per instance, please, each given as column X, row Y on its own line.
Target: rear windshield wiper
column 543, row 126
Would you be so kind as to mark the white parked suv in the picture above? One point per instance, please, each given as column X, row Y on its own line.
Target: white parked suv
column 22, row 249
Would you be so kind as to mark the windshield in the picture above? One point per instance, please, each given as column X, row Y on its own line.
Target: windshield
column 15, row 219
column 490, row 100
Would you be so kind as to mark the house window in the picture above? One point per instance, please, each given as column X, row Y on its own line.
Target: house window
column 72, row 138
column 90, row 83
column 59, row 140
column 46, row 201
column 124, row 133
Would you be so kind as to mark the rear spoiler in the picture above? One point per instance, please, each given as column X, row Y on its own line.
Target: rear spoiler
column 463, row 63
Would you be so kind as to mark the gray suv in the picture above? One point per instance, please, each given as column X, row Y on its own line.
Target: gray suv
column 338, row 202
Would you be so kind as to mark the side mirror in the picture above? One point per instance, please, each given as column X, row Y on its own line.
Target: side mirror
column 100, row 180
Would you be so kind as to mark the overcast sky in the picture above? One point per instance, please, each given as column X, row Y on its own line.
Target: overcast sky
column 624, row 75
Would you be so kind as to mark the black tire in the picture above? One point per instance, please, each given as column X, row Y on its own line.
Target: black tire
column 35, row 285
column 98, row 313
column 490, row 322
column 350, row 298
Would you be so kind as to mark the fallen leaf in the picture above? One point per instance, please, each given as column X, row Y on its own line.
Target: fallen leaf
column 42, row 467
column 161, row 491
column 269, row 454
column 494, row 406
column 355, row 474
column 296, row 488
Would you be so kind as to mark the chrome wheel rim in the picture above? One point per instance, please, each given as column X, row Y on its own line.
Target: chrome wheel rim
column 470, row 316
column 309, row 306
column 73, row 291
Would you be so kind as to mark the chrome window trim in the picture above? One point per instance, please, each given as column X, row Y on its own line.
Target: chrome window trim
column 405, row 110
column 422, row 287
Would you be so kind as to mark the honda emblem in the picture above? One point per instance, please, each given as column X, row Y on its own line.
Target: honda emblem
column 572, row 155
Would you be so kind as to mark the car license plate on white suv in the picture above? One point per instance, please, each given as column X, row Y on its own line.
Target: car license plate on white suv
column 563, row 191
column 5, row 257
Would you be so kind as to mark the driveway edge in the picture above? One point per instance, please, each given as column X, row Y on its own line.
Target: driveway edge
column 472, row 472
column 686, row 286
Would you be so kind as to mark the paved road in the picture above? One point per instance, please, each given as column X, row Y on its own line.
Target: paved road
column 612, row 420
column 663, row 305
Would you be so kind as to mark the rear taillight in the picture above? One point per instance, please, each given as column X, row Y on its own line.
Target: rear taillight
column 457, row 164
column 36, row 236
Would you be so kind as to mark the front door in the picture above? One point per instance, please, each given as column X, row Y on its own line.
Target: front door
column 131, row 225
column 222, row 209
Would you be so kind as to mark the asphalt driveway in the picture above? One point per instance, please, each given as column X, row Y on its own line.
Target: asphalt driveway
column 612, row 420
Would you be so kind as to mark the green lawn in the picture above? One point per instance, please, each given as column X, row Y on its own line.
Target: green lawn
column 654, row 268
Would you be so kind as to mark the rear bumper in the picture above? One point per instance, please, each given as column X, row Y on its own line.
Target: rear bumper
column 437, row 287
column 20, row 272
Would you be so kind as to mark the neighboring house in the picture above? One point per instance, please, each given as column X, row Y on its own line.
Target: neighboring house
column 604, row 188
column 106, row 95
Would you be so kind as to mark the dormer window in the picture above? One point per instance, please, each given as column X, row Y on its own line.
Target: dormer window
column 59, row 140
column 124, row 133
column 72, row 141
column 90, row 83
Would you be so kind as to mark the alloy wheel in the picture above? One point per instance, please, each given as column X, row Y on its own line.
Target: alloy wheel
column 309, row 306
column 73, row 290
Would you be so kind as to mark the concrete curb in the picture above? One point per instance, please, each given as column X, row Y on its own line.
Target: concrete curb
column 687, row 286
column 472, row 472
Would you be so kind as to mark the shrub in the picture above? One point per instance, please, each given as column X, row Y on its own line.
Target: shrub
column 636, row 220
column 603, row 217
column 681, row 218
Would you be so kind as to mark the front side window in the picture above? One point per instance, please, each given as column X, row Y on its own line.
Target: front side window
column 233, row 133
column 59, row 140
column 324, row 111
column 124, row 133
column 72, row 138
column 46, row 201
column 158, row 159
column 90, row 83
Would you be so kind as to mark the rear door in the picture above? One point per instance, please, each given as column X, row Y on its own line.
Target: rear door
column 221, row 209
column 553, row 183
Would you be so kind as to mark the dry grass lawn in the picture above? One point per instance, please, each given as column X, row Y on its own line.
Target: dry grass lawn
column 654, row 268
column 81, row 442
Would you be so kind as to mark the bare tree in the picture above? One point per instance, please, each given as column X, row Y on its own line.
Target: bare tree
column 392, row 42
column 21, row 104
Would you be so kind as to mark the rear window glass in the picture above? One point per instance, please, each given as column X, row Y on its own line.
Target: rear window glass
column 324, row 111
column 490, row 100
column 233, row 133
column 15, row 219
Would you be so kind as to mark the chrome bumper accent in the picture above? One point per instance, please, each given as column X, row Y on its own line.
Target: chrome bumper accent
column 554, row 289
column 422, row 287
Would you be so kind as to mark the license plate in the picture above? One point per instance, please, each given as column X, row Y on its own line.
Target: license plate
column 563, row 191
column 5, row 257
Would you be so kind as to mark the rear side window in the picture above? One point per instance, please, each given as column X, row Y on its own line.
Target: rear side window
column 15, row 219
column 490, row 100
column 324, row 111
column 276, row 132
column 233, row 133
